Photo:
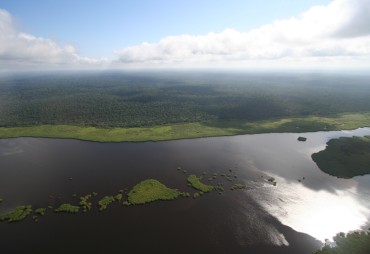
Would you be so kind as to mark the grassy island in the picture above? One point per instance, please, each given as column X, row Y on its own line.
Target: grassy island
column 105, row 202
column 302, row 139
column 18, row 214
column 353, row 243
column 151, row 190
column 68, row 208
column 84, row 202
column 345, row 157
column 198, row 185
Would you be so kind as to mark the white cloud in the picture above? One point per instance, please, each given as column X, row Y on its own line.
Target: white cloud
column 334, row 35
column 20, row 50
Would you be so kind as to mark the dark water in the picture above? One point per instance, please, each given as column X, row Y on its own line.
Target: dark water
column 287, row 218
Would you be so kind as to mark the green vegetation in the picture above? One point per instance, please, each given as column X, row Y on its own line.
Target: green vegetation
column 40, row 211
column 345, row 157
column 68, row 208
column 18, row 214
column 353, row 243
column 238, row 186
column 218, row 188
column 119, row 197
column 151, row 190
column 1, row 200
column 114, row 107
column 105, row 202
column 144, row 192
column 197, row 184
column 84, row 202
column 190, row 130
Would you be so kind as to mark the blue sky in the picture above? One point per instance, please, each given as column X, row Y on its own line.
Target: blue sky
column 237, row 33
column 98, row 27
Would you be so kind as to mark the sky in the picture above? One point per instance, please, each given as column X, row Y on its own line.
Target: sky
column 241, row 34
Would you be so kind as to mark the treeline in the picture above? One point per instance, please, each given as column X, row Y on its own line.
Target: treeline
column 146, row 99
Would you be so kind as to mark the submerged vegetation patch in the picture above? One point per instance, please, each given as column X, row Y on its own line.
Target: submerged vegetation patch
column 345, row 157
column 238, row 186
column 18, row 214
column 40, row 211
column 151, row 190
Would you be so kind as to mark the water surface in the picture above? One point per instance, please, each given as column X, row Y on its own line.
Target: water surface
column 293, row 217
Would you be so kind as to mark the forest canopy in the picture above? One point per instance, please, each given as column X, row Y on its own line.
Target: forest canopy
column 137, row 99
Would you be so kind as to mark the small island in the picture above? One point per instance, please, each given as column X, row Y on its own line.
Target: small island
column 84, row 203
column 345, row 157
column 151, row 190
column 195, row 182
column 18, row 214
column 105, row 202
column 302, row 139
column 144, row 192
column 67, row 208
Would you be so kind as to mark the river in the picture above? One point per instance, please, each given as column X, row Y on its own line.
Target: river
column 306, row 206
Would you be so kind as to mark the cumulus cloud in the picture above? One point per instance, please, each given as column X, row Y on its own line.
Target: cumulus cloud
column 18, row 49
column 336, row 33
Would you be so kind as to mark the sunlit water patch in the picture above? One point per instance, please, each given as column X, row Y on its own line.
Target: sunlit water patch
column 321, row 214
column 307, row 199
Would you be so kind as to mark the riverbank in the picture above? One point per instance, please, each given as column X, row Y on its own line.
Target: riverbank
column 192, row 130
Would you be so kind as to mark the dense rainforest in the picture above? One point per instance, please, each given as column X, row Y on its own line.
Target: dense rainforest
column 135, row 99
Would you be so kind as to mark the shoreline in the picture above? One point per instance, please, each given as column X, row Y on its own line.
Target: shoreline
column 346, row 121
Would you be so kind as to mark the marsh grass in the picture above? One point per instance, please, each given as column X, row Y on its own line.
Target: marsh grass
column 192, row 130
